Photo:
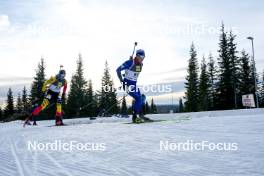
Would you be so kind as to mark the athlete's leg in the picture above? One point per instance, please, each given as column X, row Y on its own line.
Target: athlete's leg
column 135, row 93
column 58, row 116
column 40, row 108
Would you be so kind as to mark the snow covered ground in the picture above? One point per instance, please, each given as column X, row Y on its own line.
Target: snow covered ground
column 129, row 149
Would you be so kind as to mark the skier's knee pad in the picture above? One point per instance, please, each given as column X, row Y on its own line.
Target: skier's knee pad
column 58, row 109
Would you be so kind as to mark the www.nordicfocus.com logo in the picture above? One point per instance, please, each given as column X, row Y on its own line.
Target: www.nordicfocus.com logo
column 58, row 145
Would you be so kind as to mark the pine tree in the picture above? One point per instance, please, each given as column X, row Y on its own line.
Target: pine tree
column 90, row 107
column 191, row 94
column 153, row 107
column 123, row 110
column 19, row 104
column 212, row 73
column 245, row 79
column 253, row 78
column 180, row 105
column 144, row 108
column 9, row 110
column 225, row 87
column 107, row 95
column 1, row 114
column 262, row 91
column 38, row 81
column 234, row 61
column 203, row 87
column 147, row 108
column 25, row 102
column 77, row 93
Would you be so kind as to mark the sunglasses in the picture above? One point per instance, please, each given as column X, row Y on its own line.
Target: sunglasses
column 142, row 57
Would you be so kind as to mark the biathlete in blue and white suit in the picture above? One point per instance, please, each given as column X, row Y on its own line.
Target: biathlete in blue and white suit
column 132, row 68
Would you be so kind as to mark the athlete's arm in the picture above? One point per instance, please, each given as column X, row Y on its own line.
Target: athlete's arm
column 122, row 67
column 64, row 88
column 47, row 82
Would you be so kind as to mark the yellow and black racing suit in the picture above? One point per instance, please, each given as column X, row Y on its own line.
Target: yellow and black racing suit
column 53, row 95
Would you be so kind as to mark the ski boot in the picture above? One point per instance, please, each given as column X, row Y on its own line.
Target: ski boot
column 35, row 123
column 136, row 119
column 59, row 121
column 144, row 118
column 27, row 121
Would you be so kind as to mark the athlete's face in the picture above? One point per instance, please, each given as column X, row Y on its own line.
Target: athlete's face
column 62, row 76
column 139, row 59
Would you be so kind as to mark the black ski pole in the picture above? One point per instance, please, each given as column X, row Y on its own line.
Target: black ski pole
column 111, row 107
column 81, row 108
column 93, row 102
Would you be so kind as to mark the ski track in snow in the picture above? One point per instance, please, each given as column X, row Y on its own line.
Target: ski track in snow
column 133, row 149
column 17, row 160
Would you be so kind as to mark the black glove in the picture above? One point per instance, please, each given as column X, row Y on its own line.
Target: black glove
column 60, row 98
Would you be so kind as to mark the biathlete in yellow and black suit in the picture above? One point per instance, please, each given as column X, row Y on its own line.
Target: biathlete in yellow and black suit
column 52, row 89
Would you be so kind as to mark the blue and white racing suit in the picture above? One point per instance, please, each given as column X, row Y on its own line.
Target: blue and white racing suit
column 132, row 71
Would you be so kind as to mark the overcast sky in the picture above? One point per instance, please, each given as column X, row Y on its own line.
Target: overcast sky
column 58, row 30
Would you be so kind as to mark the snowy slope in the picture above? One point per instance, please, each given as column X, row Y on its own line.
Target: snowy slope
column 135, row 149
